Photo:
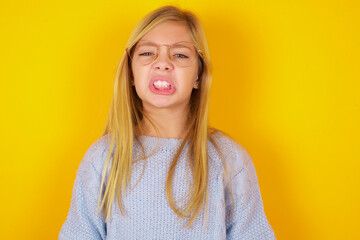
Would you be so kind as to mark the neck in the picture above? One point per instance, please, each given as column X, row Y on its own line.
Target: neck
column 169, row 123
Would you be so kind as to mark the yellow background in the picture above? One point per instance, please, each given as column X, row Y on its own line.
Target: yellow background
column 286, row 86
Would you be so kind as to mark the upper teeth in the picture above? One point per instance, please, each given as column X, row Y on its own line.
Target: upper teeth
column 161, row 84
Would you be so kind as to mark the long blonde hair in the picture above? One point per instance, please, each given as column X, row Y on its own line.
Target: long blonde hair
column 126, row 112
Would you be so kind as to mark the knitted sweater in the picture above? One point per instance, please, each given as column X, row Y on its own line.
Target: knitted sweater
column 148, row 213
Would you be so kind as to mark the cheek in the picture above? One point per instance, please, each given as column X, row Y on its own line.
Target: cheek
column 140, row 75
column 190, row 76
column 136, row 71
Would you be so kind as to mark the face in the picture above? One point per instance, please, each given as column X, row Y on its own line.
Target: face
column 166, row 82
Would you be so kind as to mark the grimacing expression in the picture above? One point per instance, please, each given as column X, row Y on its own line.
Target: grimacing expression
column 165, row 67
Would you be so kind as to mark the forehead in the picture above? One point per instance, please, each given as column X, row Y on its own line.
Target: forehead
column 168, row 32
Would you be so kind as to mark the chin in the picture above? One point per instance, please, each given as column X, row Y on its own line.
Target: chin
column 161, row 105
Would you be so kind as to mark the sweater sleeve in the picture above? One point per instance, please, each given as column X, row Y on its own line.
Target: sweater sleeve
column 248, row 220
column 83, row 220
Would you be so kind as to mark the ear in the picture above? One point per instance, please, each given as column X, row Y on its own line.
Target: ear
column 196, row 85
column 132, row 83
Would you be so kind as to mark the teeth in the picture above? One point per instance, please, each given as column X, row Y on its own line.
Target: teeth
column 161, row 84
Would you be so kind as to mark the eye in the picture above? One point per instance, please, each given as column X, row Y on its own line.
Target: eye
column 179, row 55
column 146, row 54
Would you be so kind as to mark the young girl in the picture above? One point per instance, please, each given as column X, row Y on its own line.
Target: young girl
column 159, row 171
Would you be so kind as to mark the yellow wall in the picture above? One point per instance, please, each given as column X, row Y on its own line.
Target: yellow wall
column 286, row 86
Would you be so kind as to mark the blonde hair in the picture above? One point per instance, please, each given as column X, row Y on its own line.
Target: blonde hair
column 126, row 112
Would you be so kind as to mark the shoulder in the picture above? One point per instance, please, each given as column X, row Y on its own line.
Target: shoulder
column 96, row 155
column 232, row 154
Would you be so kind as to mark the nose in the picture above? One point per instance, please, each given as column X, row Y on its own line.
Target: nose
column 163, row 62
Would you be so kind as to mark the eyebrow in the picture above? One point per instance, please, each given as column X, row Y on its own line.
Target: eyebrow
column 156, row 44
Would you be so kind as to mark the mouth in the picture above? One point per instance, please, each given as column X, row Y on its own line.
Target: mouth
column 162, row 85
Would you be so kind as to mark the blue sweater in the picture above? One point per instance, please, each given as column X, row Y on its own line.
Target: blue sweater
column 148, row 214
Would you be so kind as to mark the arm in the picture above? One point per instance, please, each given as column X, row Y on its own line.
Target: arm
column 83, row 220
column 249, row 220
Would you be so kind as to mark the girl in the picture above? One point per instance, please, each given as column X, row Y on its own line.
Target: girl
column 159, row 171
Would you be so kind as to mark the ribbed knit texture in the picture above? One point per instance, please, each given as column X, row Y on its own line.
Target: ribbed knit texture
column 149, row 215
